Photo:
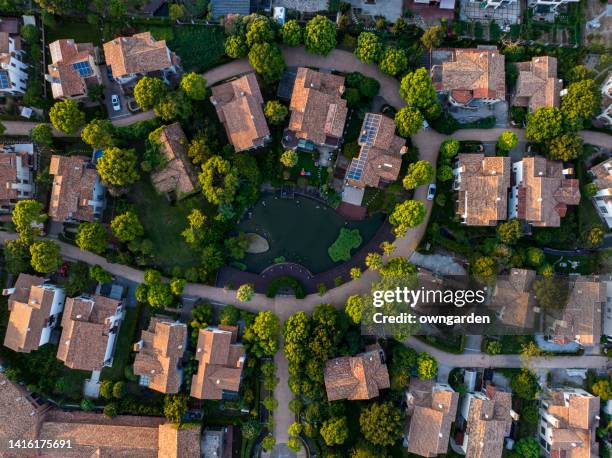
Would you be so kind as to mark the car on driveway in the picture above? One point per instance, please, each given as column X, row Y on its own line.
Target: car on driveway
column 115, row 102
column 431, row 191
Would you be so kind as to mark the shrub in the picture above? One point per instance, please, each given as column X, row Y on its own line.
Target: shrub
column 347, row 240
column 286, row 282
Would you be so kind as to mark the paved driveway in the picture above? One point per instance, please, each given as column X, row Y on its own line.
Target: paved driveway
column 111, row 87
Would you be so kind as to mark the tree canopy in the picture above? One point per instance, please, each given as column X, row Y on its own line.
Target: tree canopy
column 267, row 60
column 149, row 91
column 419, row 173
column 393, row 61
column 544, row 124
column 418, row 91
column 507, row 140
column 98, row 133
column 565, row 147
column 381, row 424
column 263, row 334
column 117, row 167
column 194, row 85
column 407, row 214
column 66, row 116
column 275, row 111
column 219, row 181
column 427, row 366
column 26, row 215
column 320, row 35
column 45, row 256
column 335, row 431
column 42, row 134
column 292, row 33
column 369, row 47
column 408, row 121
column 92, row 237
column 126, row 226
column 432, row 38
column 581, row 102
column 236, row 47
column 259, row 30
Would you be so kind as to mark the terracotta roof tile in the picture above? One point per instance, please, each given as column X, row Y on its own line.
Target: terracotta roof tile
column 30, row 306
column 474, row 73
column 356, row 377
column 140, row 53
column 159, row 353
column 483, row 184
column 85, row 331
column 513, row 300
column 179, row 443
column 537, row 84
column 74, row 178
column 14, row 161
column 488, row 423
column 318, row 112
column 220, row 361
column 177, row 175
column 239, row 107
column 66, row 81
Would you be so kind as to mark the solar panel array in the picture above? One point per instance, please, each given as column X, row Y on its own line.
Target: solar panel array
column 368, row 133
column 5, row 83
column 83, row 68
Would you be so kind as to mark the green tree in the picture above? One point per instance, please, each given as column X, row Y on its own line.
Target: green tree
column 259, row 31
column 92, row 237
column 535, row 256
column 250, row 429
column 544, row 124
column 295, row 429
column 524, row 385
column 419, row 173
column 403, row 359
column 267, row 60
column 590, row 190
column 355, row 273
column 98, row 133
column 432, row 38
column 117, row 167
column 229, row 315
column 369, row 47
column 393, row 61
column 565, row 147
column 87, row 405
column 406, row 215
column 177, row 285
column 126, row 226
column 219, row 181
column 175, row 407
column 106, row 389
column 268, row 443
column 493, row 347
column 581, row 102
column 398, row 267
column 159, row 295
column 449, row 149
column 201, row 149
column 292, row 33
column 194, row 85
column 381, row 424
column 289, row 158
column 245, row 292
column 354, row 307
column 29, row 33
column 427, row 366
column 320, row 35
column 26, row 216
column 149, row 91
column 119, row 390
column 509, row 232
column 176, row 12
column 594, row 236
column 445, row 173
column 527, row 447
column 387, row 247
column 236, row 47
column 507, row 140
column 100, row 275
column 42, row 134
column 603, row 389
column 373, row 261
column 275, row 111
column 551, row 293
column 174, row 106
column 110, row 410
column 263, row 334
column 418, row 91
column 201, row 316
column 484, row 268
column 16, row 256
column 66, row 116
column 335, row 431
column 151, row 276
column 408, row 121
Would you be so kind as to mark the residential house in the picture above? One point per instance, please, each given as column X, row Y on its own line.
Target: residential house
column 318, row 111
column 239, row 107
column 550, row 4
column 13, row 68
column 494, row 4
column 77, row 193
column 605, row 117
column 380, row 156
column 537, row 85
column 487, row 417
column 357, row 377
column 568, row 420
column 430, row 409
column 174, row 442
column 581, row 318
column 220, row 362
column 73, row 70
column 159, row 353
column 470, row 76
column 602, row 177
column 34, row 307
column 140, row 55
column 223, row 8
column 482, row 184
column 388, row 9
column 17, row 163
column 513, row 301
column 176, row 178
column 218, row 441
column 542, row 191
column 19, row 414
column 89, row 330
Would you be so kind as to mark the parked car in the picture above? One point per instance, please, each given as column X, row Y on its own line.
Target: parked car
column 115, row 102
column 431, row 191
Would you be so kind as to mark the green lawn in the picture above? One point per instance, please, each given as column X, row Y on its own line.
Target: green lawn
column 79, row 31
column 306, row 163
column 199, row 47
column 123, row 345
column 163, row 222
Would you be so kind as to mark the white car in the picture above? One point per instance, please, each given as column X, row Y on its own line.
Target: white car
column 115, row 102
column 431, row 191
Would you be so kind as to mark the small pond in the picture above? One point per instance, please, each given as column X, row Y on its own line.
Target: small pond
column 300, row 230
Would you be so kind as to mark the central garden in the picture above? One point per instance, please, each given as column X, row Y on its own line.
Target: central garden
column 299, row 230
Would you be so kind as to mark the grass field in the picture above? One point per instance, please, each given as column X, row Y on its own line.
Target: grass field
column 199, row 47
column 79, row 31
column 164, row 222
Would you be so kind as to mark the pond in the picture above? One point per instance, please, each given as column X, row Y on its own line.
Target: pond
column 300, row 230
